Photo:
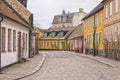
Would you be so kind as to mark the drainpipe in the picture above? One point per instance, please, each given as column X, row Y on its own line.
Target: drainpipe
column 1, row 19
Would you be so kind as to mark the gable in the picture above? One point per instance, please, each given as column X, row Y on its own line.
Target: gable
column 9, row 13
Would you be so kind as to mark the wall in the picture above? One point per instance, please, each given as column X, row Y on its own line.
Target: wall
column 88, row 30
column 12, row 57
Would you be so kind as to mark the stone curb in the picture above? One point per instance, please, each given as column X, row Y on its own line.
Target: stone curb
column 100, row 61
column 39, row 66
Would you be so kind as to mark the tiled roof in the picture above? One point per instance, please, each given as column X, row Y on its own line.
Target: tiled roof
column 59, row 18
column 7, row 12
column 77, row 32
column 66, row 31
column 24, row 12
column 96, row 9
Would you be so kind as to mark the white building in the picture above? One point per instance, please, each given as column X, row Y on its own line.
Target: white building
column 14, row 32
column 68, row 19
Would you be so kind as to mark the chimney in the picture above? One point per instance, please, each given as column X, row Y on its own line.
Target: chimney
column 68, row 12
column 63, row 12
column 81, row 10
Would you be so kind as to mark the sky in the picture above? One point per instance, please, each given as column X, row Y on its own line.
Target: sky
column 44, row 10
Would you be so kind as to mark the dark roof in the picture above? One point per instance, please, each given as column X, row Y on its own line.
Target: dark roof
column 9, row 13
column 57, row 31
column 20, row 11
column 78, row 32
column 96, row 9
column 68, row 16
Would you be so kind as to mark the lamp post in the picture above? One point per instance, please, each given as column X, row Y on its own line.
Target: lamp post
column 85, row 46
column 94, row 49
column 1, row 19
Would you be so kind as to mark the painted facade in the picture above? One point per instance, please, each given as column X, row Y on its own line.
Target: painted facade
column 15, row 35
column 62, row 27
column 68, row 19
column 94, row 18
column 75, row 41
column 55, row 39
column 112, row 28
column 40, row 35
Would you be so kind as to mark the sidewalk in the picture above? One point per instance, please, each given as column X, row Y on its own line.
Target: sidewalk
column 23, row 69
column 103, row 60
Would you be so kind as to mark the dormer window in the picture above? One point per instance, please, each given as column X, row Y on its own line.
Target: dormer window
column 61, row 34
column 45, row 35
column 53, row 34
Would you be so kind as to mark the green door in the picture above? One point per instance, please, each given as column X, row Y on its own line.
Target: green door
column 62, row 46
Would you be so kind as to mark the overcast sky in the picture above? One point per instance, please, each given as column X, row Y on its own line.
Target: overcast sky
column 44, row 10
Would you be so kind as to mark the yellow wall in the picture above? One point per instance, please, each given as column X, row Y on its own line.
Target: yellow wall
column 52, row 44
column 88, row 31
column 40, row 34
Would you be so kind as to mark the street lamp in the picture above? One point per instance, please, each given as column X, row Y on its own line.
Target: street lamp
column 94, row 50
column 1, row 19
column 85, row 46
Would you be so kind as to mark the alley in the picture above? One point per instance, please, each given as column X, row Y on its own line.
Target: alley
column 63, row 65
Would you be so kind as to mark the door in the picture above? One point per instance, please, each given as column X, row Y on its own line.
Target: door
column 63, row 45
column 19, row 44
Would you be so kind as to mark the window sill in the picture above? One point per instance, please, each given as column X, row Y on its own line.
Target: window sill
column 3, row 51
column 9, row 50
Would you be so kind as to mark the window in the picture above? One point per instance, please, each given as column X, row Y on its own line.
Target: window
column 116, row 33
column 100, row 38
column 41, row 44
column 54, row 43
column 44, row 43
column 47, row 43
column 26, row 40
column 101, row 18
column 14, row 40
column 116, row 6
column 96, row 20
column 45, row 34
column 3, row 39
column 50, row 43
column 61, row 34
column 110, row 35
column 93, row 21
column 64, row 19
column 96, row 38
column 9, row 39
column 88, row 23
column 110, row 8
column 106, row 12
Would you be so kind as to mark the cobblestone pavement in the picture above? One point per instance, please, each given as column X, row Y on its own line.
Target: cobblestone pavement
column 63, row 65
column 22, row 69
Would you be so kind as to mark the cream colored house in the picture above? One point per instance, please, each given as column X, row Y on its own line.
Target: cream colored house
column 68, row 19
column 112, row 28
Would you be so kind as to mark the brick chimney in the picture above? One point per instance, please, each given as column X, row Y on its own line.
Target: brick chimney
column 81, row 10
column 23, row 2
column 63, row 12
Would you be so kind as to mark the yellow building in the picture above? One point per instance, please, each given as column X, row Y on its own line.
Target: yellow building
column 55, row 39
column 40, row 35
column 94, row 19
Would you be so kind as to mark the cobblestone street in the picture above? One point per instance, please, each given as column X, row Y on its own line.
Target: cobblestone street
column 62, row 65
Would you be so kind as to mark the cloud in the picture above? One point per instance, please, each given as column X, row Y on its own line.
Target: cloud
column 44, row 10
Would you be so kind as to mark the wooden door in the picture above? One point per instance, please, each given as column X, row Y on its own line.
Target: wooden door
column 19, row 45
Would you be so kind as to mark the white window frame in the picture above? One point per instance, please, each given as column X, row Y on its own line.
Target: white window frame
column 106, row 11
column 111, row 6
column 116, row 33
column 116, row 5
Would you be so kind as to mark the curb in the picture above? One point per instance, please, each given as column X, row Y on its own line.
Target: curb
column 109, row 65
column 39, row 66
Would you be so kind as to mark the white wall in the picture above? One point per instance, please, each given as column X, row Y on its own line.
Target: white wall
column 8, row 58
column 78, row 18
